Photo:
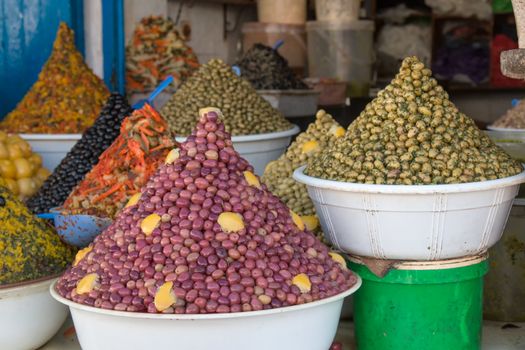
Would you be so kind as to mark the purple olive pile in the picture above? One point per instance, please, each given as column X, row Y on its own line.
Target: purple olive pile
column 204, row 236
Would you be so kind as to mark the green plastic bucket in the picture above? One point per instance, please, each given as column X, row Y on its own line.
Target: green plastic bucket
column 431, row 305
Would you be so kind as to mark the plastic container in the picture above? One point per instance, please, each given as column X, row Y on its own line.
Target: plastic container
column 508, row 130
column 337, row 10
column 281, row 11
column 292, row 103
column 427, row 222
column 77, row 230
column 310, row 326
column 158, row 103
column 342, row 50
column 331, row 91
column 261, row 149
column 51, row 147
column 294, row 36
column 29, row 317
column 505, row 282
column 421, row 305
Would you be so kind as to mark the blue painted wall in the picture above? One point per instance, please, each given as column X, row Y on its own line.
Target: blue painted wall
column 27, row 31
column 113, row 44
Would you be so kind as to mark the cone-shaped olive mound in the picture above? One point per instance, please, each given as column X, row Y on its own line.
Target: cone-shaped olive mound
column 278, row 174
column 215, row 84
column 204, row 237
column 66, row 98
column 29, row 248
column 411, row 134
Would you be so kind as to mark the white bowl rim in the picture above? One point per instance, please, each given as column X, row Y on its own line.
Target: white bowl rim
column 407, row 189
column 495, row 128
column 421, row 265
column 27, row 287
column 257, row 137
column 189, row 317
column 50, row 137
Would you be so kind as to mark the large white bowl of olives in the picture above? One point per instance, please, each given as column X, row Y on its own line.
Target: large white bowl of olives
column 419, row 222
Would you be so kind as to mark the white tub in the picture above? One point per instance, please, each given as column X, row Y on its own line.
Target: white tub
column 310, row 326
column 52, row 147
column 427, row 222
column 29, row 317
column 292, row 103
column 261, row 149
column 508, row 130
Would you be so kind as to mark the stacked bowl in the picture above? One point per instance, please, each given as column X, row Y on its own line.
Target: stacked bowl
column 415, row 194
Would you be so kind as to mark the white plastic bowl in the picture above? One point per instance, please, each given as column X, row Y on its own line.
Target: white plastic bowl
column 292, row 103
column 51, row 147
column 261, row 149
column 29, row 317
column 510, row 130
column 427, row 222
column 310, row 326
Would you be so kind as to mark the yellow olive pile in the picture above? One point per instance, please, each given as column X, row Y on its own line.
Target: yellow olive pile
column 29, row 247
column 411, row 134
column 278, row 175
column 20, row 168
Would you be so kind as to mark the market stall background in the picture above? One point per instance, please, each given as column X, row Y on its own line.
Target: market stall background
column 460, row 42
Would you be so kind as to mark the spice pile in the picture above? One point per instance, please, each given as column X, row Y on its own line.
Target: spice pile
column 20, row 168
column 156, row 51
column 411, row 134
column 215, row 84
column 66, row 98
column 124, row 167
column 266, row 69
column 205, row 237
column 29, row 248
column 514, row 118
column 82, row 157
column 278, row 175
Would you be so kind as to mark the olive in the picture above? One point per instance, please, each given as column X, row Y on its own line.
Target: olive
column 82, row 157
column 411, row 134
column 266, row 69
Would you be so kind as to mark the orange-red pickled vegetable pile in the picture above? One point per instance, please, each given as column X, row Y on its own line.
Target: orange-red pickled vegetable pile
column 124, row 167
column 156, row 51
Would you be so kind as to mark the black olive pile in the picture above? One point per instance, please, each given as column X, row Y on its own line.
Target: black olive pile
column 266, row 69
column 82, row 157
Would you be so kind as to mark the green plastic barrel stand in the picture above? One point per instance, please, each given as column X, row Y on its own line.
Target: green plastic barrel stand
column 420, row 309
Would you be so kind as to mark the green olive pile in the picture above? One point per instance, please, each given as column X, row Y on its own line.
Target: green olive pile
column 215, row 84
column 278, row 175
column 411, row 134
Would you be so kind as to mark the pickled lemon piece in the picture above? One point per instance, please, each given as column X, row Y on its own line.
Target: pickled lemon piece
column 81, row 254
column 150, row 223
column 338, row 259
column 251, row 179
column 87, row 283
column 310, row 146
column 230, row 222
column 302, row 282
column 164, row 297
column 310, row 221
column 172, row 156
column 297, row 220
column 133, row 200
column 337, row 131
